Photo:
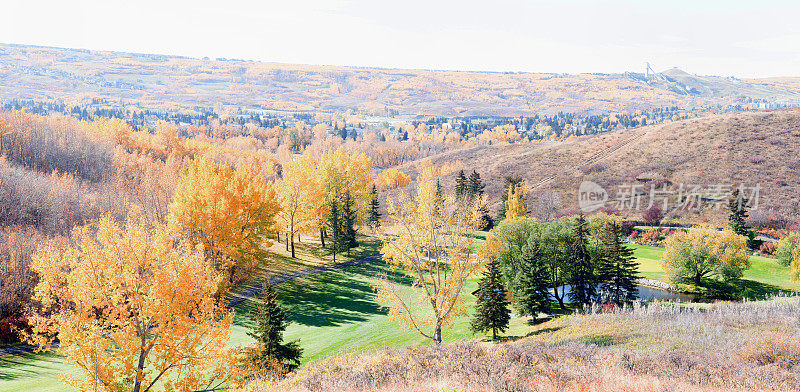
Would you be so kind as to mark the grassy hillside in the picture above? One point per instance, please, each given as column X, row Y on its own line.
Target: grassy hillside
column 335, row 313
column 29, row 72
column 660, row 347
column 753, row 148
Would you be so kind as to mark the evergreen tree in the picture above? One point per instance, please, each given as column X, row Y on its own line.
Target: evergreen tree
column 618, row 268
column 738, row 213
column 348, row 222
column 461, row 184
column 268, row 334
column 583, row 277
column 475, row 185
column 335, row 226
column 374, row 218
column 533, row 293
column 491, row 309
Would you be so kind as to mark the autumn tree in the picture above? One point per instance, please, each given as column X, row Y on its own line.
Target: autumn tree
column 433, row 248
column 302, row 198
column 510, row 181
column 516, row 203
column 227, row 211
column 705, row 252
column 134, row 308
column 342, row 172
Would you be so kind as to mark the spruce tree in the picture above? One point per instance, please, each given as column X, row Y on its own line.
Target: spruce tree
column 533, row 293
column 618, row 268
column 335, row 226
column 268, row 333
column 461, row 184
column 348, row 222
column 583, row 279
column 475, row 185
column 374, row 218
column 738, row 213
column 491, row 309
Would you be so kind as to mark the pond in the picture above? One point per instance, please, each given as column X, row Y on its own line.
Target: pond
column 647, row 293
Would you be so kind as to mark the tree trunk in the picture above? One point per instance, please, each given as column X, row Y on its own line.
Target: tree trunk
column 293, row 247
column 322, row 237
column 287, row 241
column 278, row 235
column 494, row 333
column 437, row 336
column 698, row 279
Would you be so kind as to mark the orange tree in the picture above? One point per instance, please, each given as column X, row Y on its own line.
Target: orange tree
column 227, row 211
column 134, row 308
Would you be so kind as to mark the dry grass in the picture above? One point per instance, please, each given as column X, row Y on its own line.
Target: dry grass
column 705, row 151
column 662, row 347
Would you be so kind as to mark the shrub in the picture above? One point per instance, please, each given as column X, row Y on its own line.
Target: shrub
column 785, row 247
column 768, row 248
column 653, row 215
column 773, row 349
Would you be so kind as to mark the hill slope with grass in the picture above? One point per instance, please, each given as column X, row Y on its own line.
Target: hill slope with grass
column 157, row 81
column 752, row 148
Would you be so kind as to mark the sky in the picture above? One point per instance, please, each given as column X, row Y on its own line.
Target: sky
column 706, row 37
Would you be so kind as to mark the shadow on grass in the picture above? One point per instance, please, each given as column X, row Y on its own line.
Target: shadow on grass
column 33, row 361
column 329, row 298
column 514, row 338
column 735, row 289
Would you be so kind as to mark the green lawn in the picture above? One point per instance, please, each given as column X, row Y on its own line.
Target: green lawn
column 335, row 312
column 332, row 312
column 765, row 276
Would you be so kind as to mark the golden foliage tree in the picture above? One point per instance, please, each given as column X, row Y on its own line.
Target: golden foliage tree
column 517, row 202
column 228, row 211
column 432, row 247
column 795, row 264
column 134, row 308
column 302, row 198
column 345, row 173
column 705, row 251
column 392, row 179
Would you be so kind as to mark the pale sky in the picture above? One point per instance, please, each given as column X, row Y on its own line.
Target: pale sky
column 755, row 38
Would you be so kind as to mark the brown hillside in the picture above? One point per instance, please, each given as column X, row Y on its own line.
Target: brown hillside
column 752, row 148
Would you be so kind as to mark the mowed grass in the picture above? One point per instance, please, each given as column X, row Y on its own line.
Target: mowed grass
column 336, row 312
column 765, row 276
column 331, row 312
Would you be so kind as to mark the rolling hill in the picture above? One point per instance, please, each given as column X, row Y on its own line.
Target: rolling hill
column 159, row 81
column 755, row 148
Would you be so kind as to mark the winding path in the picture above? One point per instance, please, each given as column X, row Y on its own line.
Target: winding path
column 249, row 292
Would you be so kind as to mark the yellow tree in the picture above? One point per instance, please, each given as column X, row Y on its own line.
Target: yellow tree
column 795, row 264
column 133, row 307
column 302, row 198
column 432, row 246
column 705, row 251
column 228, row 211
column 516, row 204
column 343, row 173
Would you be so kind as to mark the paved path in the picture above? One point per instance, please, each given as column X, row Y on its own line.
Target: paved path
column 247, row 293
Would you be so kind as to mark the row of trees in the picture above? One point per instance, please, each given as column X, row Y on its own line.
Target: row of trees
column 588, row 260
